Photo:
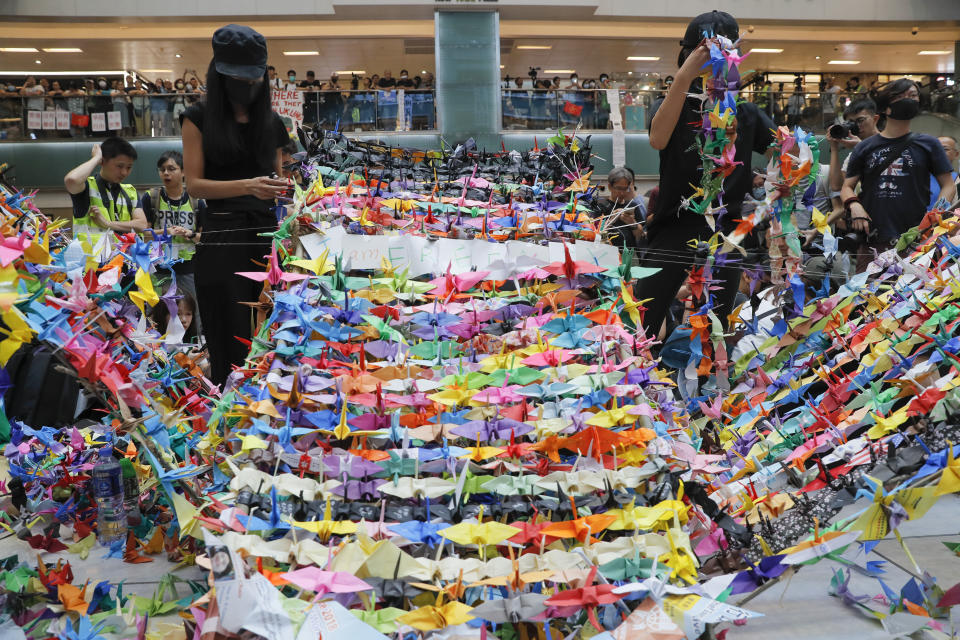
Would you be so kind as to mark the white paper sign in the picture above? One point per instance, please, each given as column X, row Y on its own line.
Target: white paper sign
column 49, row 119
column 289, row 106
column 113, row 120
column 34, row 119
column 63, row 120
column 98, row 122
column 421, row 256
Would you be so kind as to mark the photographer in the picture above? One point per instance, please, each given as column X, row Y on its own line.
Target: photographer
column 859, row 123
column 894, row 168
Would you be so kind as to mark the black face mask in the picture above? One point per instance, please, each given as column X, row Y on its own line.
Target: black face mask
column 240, row 91
column 904, row 109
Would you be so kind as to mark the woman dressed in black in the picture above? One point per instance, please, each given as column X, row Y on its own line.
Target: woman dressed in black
column 231, row 147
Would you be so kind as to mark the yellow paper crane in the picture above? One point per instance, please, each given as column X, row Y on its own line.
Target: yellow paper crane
column 613, row 418
column 679, row 561
column 950, row 480
column 145, row 293
column 327, row 527
column 887, row 425
column 437, row 616
column 19, row 333
column 317, row 266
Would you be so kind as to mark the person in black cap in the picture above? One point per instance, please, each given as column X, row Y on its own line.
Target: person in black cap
column 232, row 147
column 673, row 131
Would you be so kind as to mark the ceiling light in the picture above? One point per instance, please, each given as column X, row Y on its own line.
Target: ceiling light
column 502, row 66
column 629, row 73
column 766, row 50
column 64, row 73
column 933, row 52
column 844, row 62
column 301, row 53
column 18, row 49
column 177, row 55
column 156, row 70
column 343, row 73
column 643, row 58
column 63, row 50
column 535, row 46
column 816, row 57
column 39, row 61
column 559, row 71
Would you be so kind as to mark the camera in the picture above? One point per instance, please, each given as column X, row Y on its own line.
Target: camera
column 533, row 73
column 841, row 130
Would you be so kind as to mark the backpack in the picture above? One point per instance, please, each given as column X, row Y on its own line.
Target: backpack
column 39, row 395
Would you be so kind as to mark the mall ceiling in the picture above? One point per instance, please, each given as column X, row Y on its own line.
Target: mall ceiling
column 589, row 47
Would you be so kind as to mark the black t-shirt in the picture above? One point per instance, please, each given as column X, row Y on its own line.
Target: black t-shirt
column 311, row 95
column 681, row 165
column 387, row 83
column 238, row 167
column 405, row 83
column 896, row 199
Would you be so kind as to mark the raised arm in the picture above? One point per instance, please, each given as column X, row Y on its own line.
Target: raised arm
column 665, row 120
column 76, row 180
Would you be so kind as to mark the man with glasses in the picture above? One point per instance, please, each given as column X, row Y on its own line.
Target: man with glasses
column 894, row 168
column 860, row 123
column 626, row 206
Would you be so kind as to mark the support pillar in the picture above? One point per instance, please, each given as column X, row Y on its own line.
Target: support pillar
column 467, row 50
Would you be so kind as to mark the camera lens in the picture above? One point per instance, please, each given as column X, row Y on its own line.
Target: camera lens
column 838, row 131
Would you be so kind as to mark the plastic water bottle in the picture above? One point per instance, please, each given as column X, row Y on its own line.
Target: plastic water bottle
column 131, row 493
column 107, row 482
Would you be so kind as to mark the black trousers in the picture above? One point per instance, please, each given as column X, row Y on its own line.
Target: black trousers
column 668, row 249
column 229, row 243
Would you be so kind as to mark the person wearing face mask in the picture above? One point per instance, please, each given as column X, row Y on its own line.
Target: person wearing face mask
column 232, row 153
column 404, row 82
column 949, row 144
column 574, row 83
column 893, row 169
column 291, row 84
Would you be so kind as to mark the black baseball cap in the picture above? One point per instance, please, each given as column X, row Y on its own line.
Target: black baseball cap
column 240, row 52
column 718, row 23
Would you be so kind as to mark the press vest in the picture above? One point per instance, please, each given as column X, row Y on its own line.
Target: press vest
column 183, row 215
column 119, row 210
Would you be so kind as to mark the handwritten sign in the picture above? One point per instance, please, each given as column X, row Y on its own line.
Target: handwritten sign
column 113, row 120
column 289, row 106
column 63, row 119
column 49, row 120
column 98, row 121
column 34, row 119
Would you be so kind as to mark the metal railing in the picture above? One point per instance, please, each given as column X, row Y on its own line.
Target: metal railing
column 154, row 115
column 551, row 109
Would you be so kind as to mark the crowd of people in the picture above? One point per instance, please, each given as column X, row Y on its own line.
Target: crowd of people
column 146, row 107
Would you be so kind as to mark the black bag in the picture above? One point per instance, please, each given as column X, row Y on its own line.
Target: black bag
column 39, row 394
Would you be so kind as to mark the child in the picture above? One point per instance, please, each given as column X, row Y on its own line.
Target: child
column 186, row 310
column 170, row 207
